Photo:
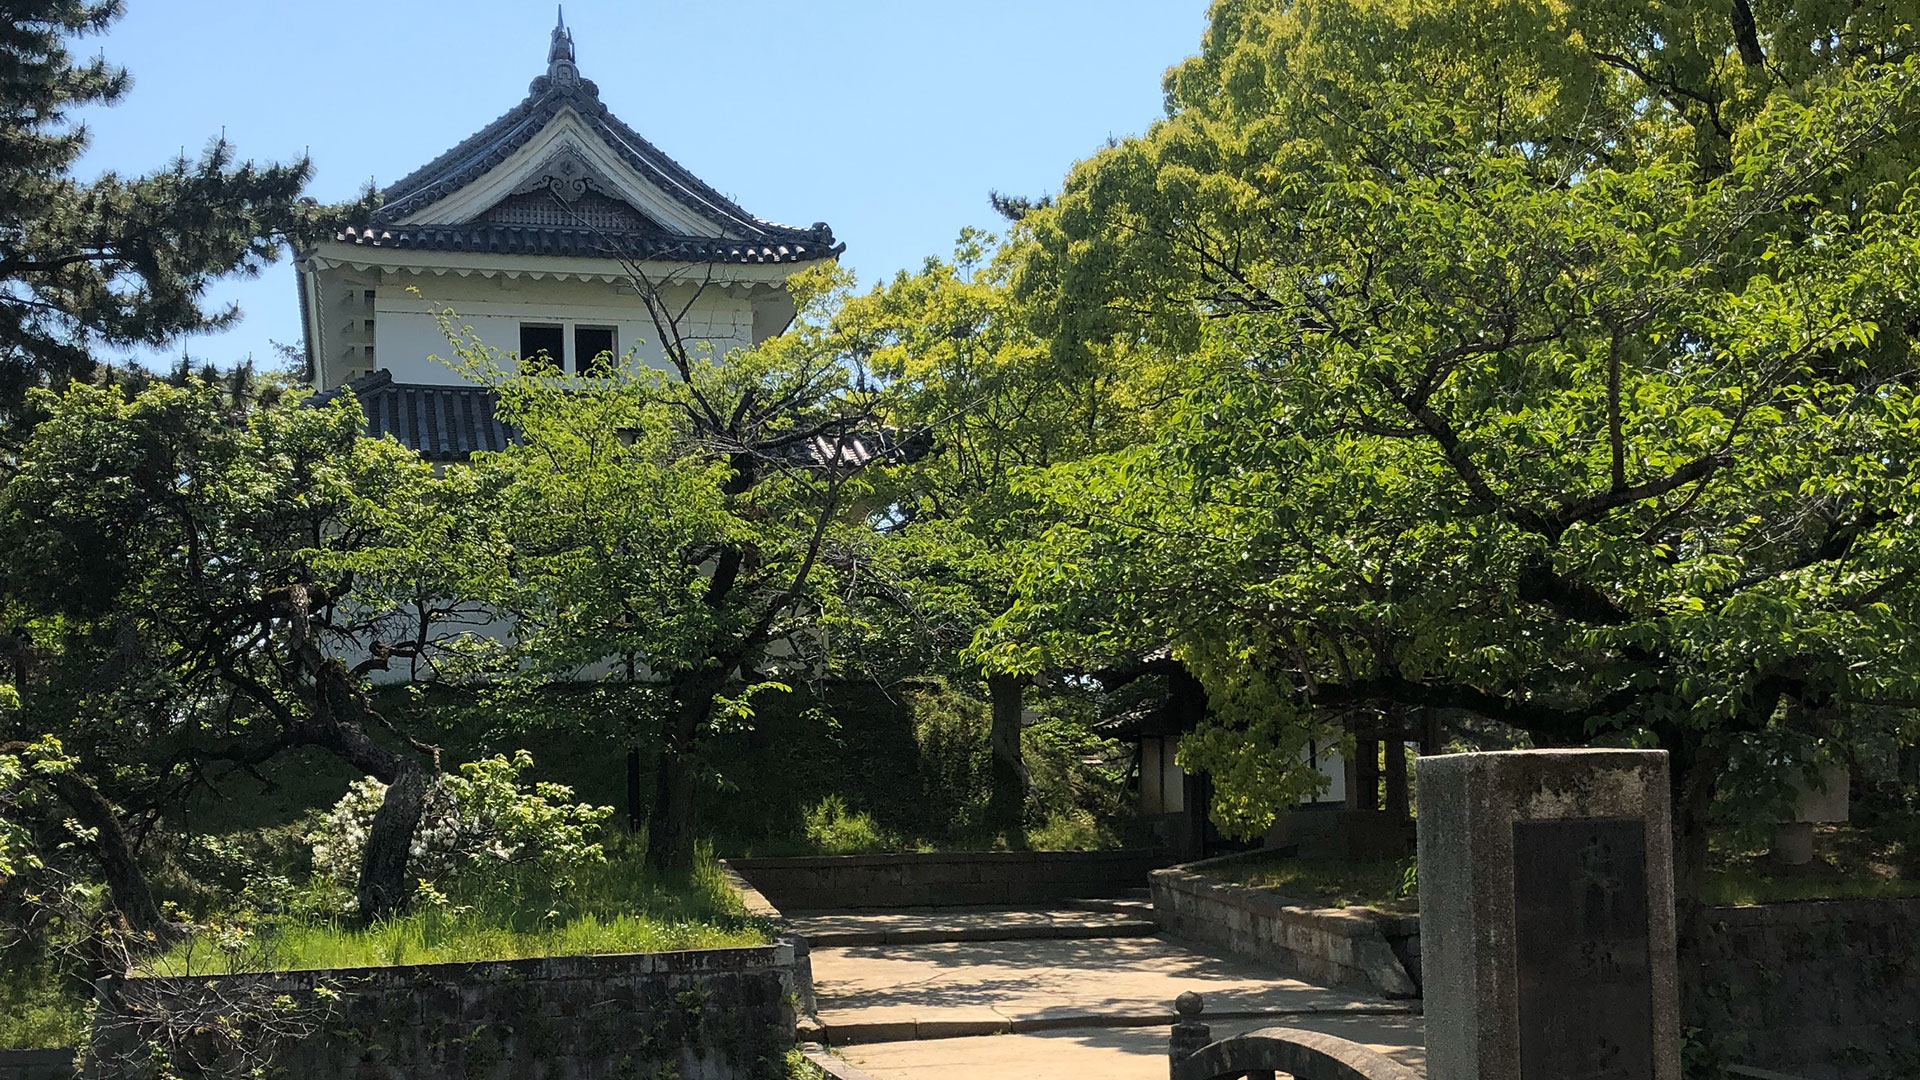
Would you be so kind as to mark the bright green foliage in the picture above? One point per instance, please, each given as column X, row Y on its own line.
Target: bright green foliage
column 1552, row 362
column 973, row 381
column 24, row 768
column 120, row 260
column 682, row 537
column 832, row 828
column 190, row 571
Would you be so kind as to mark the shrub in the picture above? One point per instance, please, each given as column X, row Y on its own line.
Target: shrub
column 834, row 829
column 474, row 823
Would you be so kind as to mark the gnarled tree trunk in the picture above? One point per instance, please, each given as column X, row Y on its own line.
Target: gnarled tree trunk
column 385, row 886
column 126, row 879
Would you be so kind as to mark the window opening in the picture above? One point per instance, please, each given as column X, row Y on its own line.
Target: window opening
column 595, row 350
column 543, row 346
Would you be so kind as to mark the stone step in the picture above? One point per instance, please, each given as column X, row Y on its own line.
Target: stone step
column 861, row 1027
column 929, row 935
column 923, row 926
column 1136, row 907
column 955, row 990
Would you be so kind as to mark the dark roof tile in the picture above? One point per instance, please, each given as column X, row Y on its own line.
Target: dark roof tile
column 581, row 242
column 560, row 89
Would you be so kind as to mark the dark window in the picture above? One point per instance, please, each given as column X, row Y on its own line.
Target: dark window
column 543, row 346
column 593, row 349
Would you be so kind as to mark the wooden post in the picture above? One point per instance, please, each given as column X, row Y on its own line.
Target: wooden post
column 1366, row 774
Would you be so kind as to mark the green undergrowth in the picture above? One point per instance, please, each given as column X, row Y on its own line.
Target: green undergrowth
column 614, row 907
column 1852, row 864
column 801, row 1067
column 1326, row 882
column 39, row 1009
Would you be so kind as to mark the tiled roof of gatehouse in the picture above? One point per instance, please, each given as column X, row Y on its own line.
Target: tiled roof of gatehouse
column 562, row 89
column 480, row 236
column 454, row 422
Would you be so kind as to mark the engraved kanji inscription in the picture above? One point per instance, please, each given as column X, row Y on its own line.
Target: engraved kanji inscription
column 1581, row 950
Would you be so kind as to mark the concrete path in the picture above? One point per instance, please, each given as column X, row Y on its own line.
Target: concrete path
column 1033, row 994
column 1134, row 1053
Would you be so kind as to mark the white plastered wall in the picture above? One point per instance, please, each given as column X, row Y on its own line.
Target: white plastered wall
column 397, row 329
column 412, row 345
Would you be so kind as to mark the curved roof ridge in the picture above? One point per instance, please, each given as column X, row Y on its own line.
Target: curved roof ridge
column 563, row 87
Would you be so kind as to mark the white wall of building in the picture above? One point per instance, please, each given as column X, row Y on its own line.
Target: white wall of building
column 367, row 318
column 409, row 340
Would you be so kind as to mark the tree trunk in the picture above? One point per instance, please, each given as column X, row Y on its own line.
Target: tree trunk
column 1007, row 803
column 126, row 880
column 671, row 827
column 1691, row 782
column 385, row 886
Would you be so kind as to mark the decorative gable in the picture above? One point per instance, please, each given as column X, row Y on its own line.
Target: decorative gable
column 591, row 209
column 561, row 163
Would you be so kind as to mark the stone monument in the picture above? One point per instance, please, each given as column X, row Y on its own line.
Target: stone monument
column 1546, row 916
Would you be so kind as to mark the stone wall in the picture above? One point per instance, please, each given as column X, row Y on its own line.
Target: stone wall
column 36, row 1064
column 1827, row 990
column 1351, row 947
column 711, row 1014
column 946, row 878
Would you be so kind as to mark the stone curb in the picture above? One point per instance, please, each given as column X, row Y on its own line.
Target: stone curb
column 1329, row 946
column 884, row 1031
column 837, row 1067
column 806, row 1006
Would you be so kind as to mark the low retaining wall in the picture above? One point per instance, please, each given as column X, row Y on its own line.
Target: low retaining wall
column 1328, row 946
column 36, row 1064
column 806, row 1005
column 711, row 1014
column 946, row 878
column 1827, row 990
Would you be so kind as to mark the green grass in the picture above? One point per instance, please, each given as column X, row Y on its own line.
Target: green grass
column 1744, row 887
column 1374, row 883
column 616, row 907
column 39, row 1011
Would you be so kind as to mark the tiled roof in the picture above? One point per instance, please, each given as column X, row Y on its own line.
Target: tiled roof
column 558, row 240
column 451, row 423
column 563, row 88
column 443, row 423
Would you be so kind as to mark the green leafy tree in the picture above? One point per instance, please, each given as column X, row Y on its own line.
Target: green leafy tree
column 975, row 386
column 1554, row 363
column 191, row 581
column 679, row 532
column 117, row 260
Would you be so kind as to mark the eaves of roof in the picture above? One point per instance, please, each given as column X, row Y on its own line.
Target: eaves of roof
column 441, row 423
column 452, row 423
column 594, row 243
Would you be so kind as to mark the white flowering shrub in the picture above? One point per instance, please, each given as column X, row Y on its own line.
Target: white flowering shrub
column 474, row 823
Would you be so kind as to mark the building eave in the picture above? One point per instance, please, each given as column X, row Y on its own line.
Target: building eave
column 337, row 254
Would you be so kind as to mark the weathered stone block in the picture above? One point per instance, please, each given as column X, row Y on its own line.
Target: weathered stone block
column 1546, row 913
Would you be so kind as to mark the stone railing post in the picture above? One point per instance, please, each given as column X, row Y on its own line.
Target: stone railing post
column 1190, row 1033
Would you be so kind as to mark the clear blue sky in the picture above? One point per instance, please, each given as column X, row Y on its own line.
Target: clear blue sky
column 888, row 119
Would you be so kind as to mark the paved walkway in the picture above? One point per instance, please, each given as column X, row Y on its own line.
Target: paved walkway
column 1137, row 1053
column 1035, row 994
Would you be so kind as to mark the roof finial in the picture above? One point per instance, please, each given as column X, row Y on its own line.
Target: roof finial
column 563, row 41
column 563, row 74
